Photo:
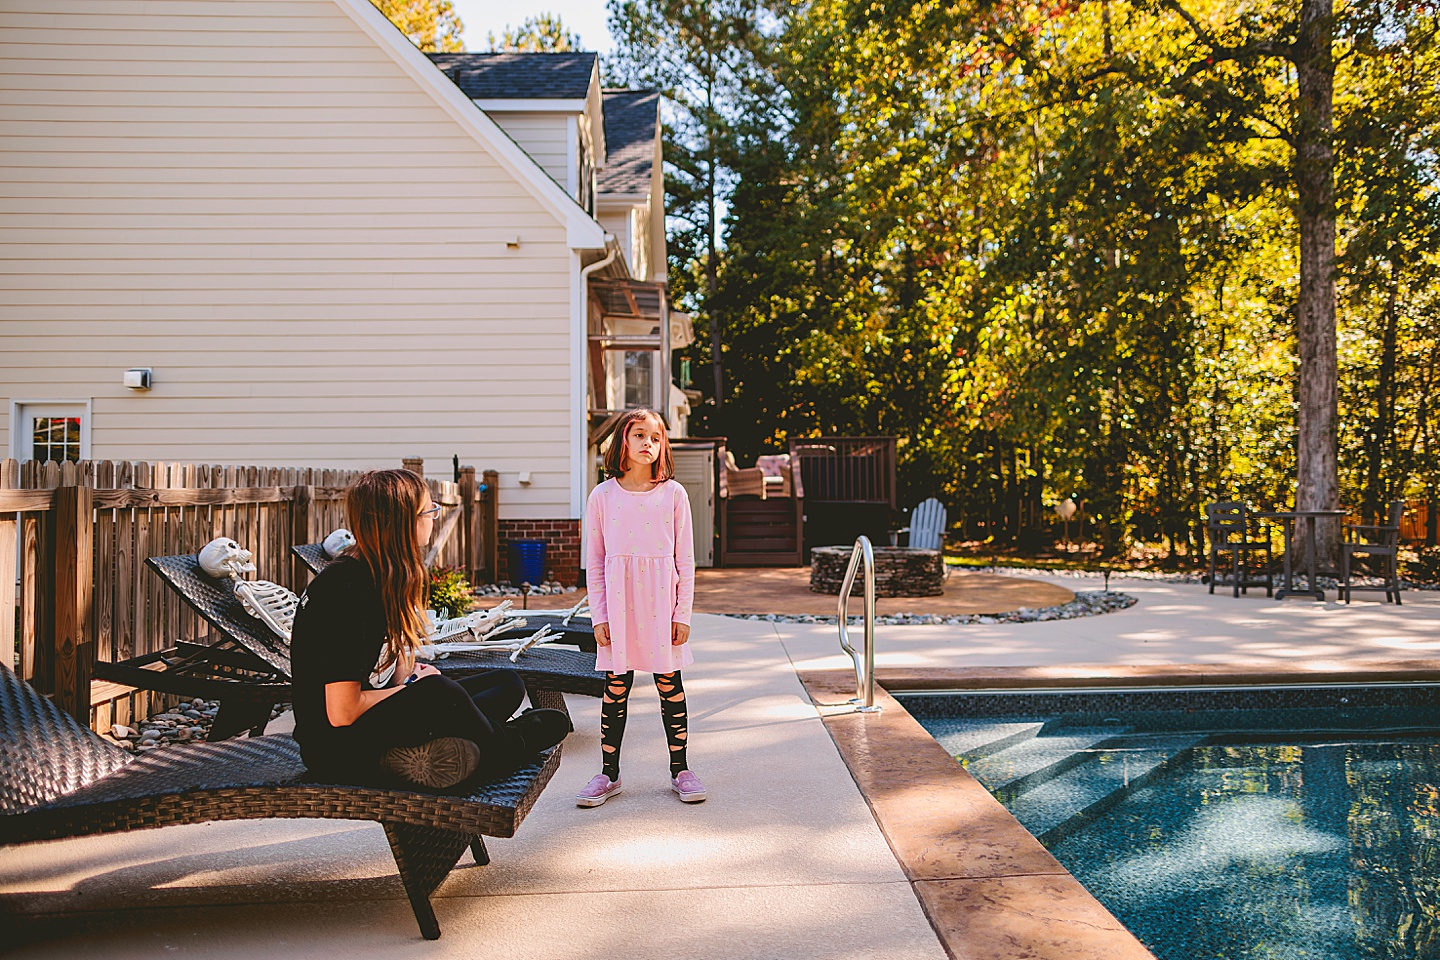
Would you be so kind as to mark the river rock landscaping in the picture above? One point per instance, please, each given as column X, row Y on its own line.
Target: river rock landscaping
column 1086, row 604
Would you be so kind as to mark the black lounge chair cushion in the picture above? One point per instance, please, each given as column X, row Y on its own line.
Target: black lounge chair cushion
column 313, row 555
column 222, row 609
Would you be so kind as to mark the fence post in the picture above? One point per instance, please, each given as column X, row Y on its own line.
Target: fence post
column 9, row 529
column 415, row 465
column 73, row 579
column 302, row 501
column 490, row 497
column 469, row 524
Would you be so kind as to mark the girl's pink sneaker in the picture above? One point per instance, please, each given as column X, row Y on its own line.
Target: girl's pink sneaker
column 597, row 791
column 688, row 786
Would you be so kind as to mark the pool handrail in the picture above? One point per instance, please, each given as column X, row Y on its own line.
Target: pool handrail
column 864, row 553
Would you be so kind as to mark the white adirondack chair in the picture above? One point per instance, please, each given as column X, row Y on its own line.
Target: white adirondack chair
column 927, row 525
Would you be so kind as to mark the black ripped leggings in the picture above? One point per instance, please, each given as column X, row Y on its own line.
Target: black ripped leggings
column 615, row 707
column 473, row 708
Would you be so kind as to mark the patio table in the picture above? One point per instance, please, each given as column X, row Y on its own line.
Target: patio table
column 1289, row 520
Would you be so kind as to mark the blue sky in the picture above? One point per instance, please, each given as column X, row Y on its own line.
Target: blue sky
column 483, row 17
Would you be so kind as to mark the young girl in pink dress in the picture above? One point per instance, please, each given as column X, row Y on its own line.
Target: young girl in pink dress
column 640, row 570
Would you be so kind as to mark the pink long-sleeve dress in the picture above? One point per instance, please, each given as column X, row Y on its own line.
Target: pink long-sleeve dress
column 640, row 570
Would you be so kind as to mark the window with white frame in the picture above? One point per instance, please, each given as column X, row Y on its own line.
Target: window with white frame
column 50, row 431
column 639, row 378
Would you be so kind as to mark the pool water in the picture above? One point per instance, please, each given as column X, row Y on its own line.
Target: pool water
column 1245, row 824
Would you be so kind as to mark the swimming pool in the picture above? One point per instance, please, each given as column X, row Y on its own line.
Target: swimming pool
column 1226, row 823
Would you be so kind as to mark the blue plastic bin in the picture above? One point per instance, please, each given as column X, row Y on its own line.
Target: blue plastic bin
column 527, row 562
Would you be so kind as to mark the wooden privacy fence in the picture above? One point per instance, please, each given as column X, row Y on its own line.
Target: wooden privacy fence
column 1418, row 525
column 74, row 538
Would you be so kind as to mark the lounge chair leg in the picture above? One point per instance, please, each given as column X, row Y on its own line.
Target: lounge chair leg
column 548, row 699
column 424, row 856
column 235, row 716
column 478, row 851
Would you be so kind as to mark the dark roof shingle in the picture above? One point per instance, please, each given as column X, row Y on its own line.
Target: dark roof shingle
column 631, row 117
column 518, row 76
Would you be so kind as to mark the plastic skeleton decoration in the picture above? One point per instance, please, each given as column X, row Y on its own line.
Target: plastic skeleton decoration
column 270, row 603
column 581, row 609
column 481, row 625
column 275, row 606
column 337, row 543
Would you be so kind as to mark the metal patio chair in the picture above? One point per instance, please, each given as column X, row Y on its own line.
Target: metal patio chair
column 1373, row 541
column 1228, row 525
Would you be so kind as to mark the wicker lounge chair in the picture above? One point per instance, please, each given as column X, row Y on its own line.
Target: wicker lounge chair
column 313, row 555
column 248, row 671
column 57, row 779
column 579, row 632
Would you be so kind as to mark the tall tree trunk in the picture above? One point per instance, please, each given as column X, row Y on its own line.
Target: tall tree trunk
column 1316, row 480
column 1380, row 444
column 717, row 363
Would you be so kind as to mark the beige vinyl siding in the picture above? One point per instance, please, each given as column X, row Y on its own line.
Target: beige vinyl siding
column 619, row 221
column 545, row 137
column 655, row 246
column 253, row 199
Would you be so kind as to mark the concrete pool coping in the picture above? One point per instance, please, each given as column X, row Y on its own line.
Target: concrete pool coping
column 989, row 888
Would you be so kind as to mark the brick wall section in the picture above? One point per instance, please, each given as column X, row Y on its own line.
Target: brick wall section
column 562, row 546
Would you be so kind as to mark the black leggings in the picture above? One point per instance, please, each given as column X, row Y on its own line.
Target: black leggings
column 615, row 709
column 474, row 708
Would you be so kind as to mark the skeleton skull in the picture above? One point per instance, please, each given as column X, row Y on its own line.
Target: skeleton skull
column 337, row 543
column 223, row 558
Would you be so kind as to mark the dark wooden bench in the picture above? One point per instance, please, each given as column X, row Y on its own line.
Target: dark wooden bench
column 248, row 669
column 58, row 779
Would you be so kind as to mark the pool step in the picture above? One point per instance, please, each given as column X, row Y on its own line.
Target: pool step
column 969, row 740
column 1055, row 807
column 1013, row 771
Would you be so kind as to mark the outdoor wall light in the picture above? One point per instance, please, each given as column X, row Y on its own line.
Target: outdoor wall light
column 138, row 378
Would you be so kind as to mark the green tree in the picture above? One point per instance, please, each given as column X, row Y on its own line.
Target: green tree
column 432, row 25
column 701, row 55
column 544, row 33
column 1055, row 250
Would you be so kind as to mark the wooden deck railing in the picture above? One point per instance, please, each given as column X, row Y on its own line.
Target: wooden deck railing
column 846, row 469
column 74, row 538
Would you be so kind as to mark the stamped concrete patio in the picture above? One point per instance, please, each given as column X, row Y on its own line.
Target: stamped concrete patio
column 786, row 859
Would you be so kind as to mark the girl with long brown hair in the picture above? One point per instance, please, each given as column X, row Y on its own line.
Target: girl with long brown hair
column 364, row 613
column 640, row 571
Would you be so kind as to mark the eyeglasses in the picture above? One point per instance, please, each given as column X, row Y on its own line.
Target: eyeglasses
column 433, row 512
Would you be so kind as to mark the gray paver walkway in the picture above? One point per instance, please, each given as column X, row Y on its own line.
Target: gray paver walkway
column 785, row 860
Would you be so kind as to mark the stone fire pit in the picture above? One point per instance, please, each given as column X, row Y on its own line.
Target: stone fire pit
column 899, row 572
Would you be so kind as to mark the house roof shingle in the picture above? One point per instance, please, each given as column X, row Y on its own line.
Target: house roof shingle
column 519, row 76
column 631, row 117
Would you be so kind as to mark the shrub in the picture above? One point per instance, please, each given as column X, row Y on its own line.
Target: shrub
column 1423, row 566
column 450, row 593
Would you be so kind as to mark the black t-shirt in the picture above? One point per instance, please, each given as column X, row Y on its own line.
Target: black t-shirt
column 338, row 635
